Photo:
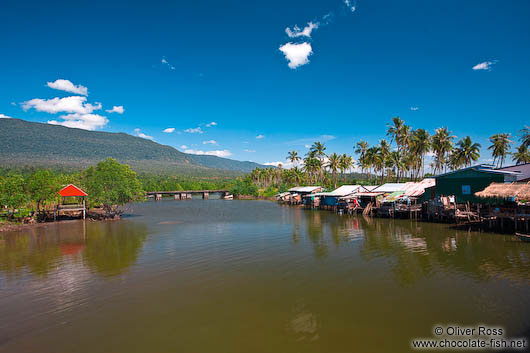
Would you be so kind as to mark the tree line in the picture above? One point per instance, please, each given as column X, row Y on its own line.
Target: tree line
column 109, row 184
column 400, row 157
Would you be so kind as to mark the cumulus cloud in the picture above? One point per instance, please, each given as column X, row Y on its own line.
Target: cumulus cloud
column 414, row 108
column 350, row 4
column 183, row 147
column 259, row 137
column 68, row 86
column 297, row 54
column 219, row 153
column 139, row 133
column 72, row 104
column 196, row 130
column 486, row 65
column 209, row 142
column 305, row 32
column 249, row 151
column 2, row 116
column 81, row 121
column 213, row 123
column 169, row 130
column 116, row 109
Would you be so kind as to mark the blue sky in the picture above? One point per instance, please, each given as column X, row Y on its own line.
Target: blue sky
column 184, row 65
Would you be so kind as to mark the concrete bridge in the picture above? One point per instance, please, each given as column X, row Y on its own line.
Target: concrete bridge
column 184, row 195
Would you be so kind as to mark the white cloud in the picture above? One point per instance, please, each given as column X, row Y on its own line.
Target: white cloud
column 183, row 147
column 169, row 130
column 81, row 121
column 213, row 123
column 414, row 108
column 196, row 130
column 116, row 109
column 259, row 137
column 286, row 164
column 2, row 116
column 306, row 32
column 296, row 53
column 72, row 104
column 13, row 103
column 486, row 65
column 164, row 61
column 139, row 133
column 350, row 4
column 220, row 153
column 68, row 86
column 249, row 151
column 209, row 142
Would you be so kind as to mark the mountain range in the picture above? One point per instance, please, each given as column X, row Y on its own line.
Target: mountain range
column 26, row 144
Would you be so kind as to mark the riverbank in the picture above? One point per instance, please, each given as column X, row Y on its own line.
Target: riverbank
column 29, row 222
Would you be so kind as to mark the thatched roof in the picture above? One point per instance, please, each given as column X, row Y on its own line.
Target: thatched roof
column 505, row 190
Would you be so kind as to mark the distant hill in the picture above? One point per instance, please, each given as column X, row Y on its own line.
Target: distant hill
column 25, row 143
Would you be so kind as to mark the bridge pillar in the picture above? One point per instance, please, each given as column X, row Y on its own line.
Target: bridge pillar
column 158, row 197
column 205, row 196
column 189, row 197
column 176, row 196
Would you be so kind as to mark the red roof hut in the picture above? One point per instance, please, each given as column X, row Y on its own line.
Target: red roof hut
column 72, row 191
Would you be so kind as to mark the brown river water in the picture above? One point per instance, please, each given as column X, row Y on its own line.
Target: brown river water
column 253, row 276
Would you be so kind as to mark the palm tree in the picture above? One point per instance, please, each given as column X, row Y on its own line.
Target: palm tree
column 334, row 165
column 360, row 149
column 370, row 158
column 318, row 148
column 297, row 176
column 442, row 144
column 293, row 157
column 522, row 155
column 397, row 163
column 500, row 146
column 396, row 131
column 421, row 145
column 469, row 151
column 383, row 150
column 525, row 136
column 346, row 162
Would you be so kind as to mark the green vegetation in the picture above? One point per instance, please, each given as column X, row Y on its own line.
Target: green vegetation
column 60, row 148
column 111, row 184
column 28, row 191
column 384, row 162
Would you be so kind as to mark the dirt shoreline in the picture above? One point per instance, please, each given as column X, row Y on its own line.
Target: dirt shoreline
column 15, row 227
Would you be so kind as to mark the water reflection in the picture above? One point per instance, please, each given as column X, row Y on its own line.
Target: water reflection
column 108, row 248
column 416, row 250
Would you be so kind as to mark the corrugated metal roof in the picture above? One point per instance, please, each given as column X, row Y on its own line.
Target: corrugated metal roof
column 390, row 187
column 412, row 189
column 417, row 189
column 485, row 168
column 304, row 188
column 341, row 191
